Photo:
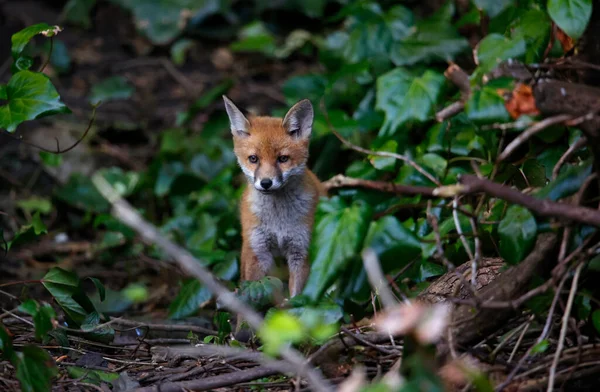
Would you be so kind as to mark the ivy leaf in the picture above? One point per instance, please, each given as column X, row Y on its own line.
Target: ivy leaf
column 485, row 105
column 261, row 293
column 111, row 89
column 493, row 7
column 534, row 27
column 190, row 298
column 66, row 289
column 35, row 369
column 43, row 317
column 495, row 48
column 279, row 328
column 30, row 95
column 392, row 242
column 99, row 287
column 567, row 183
column 432, row 40
column 21, row 39
column 406, row 98
column 348, row 225
column 517, row 231
column 572, row 16
column 163, row 20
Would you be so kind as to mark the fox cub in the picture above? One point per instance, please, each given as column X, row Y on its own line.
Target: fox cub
column 278, row 206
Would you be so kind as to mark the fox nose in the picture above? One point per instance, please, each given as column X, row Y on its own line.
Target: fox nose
column 266, row 183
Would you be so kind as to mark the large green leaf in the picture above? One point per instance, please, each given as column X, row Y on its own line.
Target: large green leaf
column 66, row 289
column 394, row 244
column 35, row 369
column 534, row 27
column 405, row 97
column 339, row 233
column 495, row 48
column 21, row 39
column 30, row 95
column 567, row 183
column 430, row 41
column 80, row 192
column 163, row 20
column 191, row 296
column 493, row 7
column 517, row 231
column 572, row 16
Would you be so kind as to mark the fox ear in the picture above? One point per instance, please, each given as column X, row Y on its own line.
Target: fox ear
column 299, row 119
column 240, row 126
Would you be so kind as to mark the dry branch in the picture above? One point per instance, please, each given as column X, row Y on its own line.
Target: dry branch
column 470, row 184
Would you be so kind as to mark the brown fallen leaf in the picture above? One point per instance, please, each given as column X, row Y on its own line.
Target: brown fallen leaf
column 520, row 101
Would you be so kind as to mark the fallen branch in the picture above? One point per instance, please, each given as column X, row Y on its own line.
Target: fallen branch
column 125, row 213
column 470, row 184
column 210, row 383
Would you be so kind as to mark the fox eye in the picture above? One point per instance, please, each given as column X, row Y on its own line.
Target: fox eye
column 253, row 158
column 283, row 158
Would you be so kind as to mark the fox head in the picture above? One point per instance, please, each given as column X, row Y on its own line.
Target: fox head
column 271, row 151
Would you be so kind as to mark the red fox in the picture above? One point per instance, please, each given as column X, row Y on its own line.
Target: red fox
column 278, row 205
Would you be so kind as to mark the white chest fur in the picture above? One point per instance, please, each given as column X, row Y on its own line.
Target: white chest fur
column 283, row 226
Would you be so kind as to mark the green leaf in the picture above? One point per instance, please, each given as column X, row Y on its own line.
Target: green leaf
column 495, row 48
column 99, row 287
column 385, row 163
column 255, row 37
column 407, row 98
column 517, row 232
column 167, row 174
column 6, row 346
column 485, row 105
column 90, row 375
column 136, row 292
column 261, row 293
column 80, row 192
column 21, row 39
column 338, row 236
column 122, row 182
column 493, row 7
column 35, row 369
column 111, row 89
column 533, row 26
column 280, row 328
column 572, row 16
column 191, row 297
column 535, row 173
column 66, row 289
column 43, row 317
column 50, row 159
column 30, row 96
column 179, row 50
column 541, row 347
column 391, row 240
column 163, row 20
column 35, row 204
column 596, row 320
column 78, row 12
column 29, row 232
column 430, row 41
column 566, row 183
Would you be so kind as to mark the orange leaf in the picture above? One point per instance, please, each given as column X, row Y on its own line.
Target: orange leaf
column 521, row 101
column 566, row 42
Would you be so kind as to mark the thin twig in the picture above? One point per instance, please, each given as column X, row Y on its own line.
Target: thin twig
column 377, row 279
column 564, row 327
column 459, row 229
column 580, row 143
column 531, row 131
column 48, row 56
column 365, row 342
column 125, row 213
